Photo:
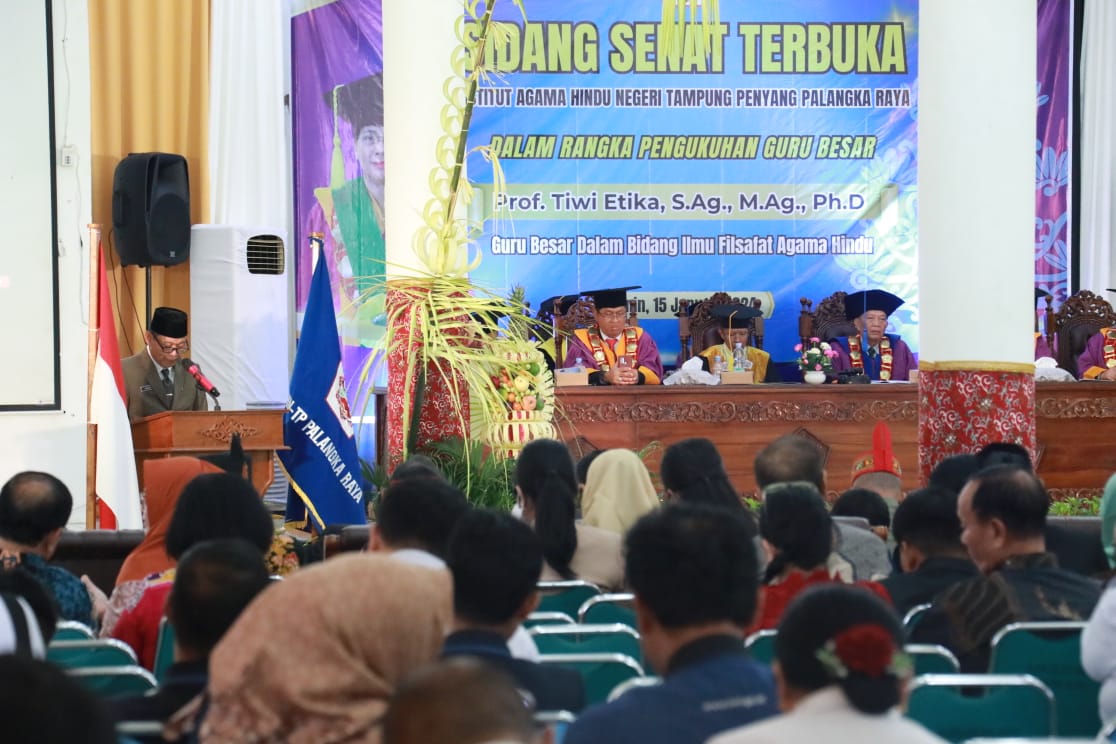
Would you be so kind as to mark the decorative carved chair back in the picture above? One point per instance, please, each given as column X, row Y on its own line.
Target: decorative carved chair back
column 1047, row 325
column 756, row 336
column 683, row 315
column 633, row 313
column 806, row 320
column 704, row 328
column 1079, row 317
column 580, row 315
column 829, row 319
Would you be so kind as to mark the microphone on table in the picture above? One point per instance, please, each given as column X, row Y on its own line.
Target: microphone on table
column 203, row 381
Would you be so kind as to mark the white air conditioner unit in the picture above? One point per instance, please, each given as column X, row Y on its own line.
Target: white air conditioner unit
column 240, row 313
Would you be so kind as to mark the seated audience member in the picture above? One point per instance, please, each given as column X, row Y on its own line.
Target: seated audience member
column 866, row 504
column 693, row 571
column 495, row 561
column 34, row 509
column 1098, row 361
column 735, row 327
column 583, row 470
column 928, row 534
column 797, row 534
column 793, row 458
column 19, row 628
column 841, row 673
column 212, row 506
column 1108, row 520
column 545, row 486
column 16, row 582
column 1076, row 550
column 459, row 701
column 692, row 471
column 620, row 354
column 617, row 492
column 879, row 470
column 317, row 656
column 163, row 480
column 41, row 704
column 1098, row 652
column 214, row 582
column 881, row 356
column 1003, row 512
column 952, row 472
column 415, row 518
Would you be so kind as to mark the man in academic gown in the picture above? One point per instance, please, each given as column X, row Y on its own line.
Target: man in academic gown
column 736, row 328
column 1098, row 361
column 618, row 353
column 882, row 356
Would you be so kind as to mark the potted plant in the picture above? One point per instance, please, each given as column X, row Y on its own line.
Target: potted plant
column 815, row 360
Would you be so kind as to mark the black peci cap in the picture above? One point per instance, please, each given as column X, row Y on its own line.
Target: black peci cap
column 169, row 322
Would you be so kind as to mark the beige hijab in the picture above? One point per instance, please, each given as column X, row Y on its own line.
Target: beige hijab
column 618, row 491
column 314, row 659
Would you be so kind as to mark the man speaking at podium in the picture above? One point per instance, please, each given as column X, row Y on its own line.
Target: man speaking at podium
column 157, row 378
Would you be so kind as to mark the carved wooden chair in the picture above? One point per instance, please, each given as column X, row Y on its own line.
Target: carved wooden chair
column 829, row 319
column 1079, row 317
column 806, row 321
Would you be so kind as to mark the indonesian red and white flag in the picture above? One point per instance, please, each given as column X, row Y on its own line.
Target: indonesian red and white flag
column 116, row 485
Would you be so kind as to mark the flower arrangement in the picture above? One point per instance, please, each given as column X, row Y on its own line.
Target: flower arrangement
column 816, row 357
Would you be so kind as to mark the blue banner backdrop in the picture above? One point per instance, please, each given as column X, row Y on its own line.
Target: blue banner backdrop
column 767, row 159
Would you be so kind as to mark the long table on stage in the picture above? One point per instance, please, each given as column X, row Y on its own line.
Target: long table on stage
column 1075, row 421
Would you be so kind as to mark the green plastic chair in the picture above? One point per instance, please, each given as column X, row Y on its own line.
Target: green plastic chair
column 600, row 673
column 114, row 681
column 910, row 620
column 164, row 649
column 932, row 659
column 608, row 608
column 612, row 638
column 565, row 596
column 548, row 618
column 761, row 645
column 1012, row 705
column 1051, row 651
column 71, row 630
column 103, row 652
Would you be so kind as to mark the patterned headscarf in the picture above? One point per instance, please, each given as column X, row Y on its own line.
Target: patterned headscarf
column 315, row 658
column 618, row 491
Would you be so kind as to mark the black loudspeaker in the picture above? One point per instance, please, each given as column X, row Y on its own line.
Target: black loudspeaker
column 151, row 209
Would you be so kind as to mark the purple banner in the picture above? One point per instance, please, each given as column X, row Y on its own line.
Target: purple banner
column 1052, row 146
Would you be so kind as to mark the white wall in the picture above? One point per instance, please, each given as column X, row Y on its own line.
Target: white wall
column 54, row 441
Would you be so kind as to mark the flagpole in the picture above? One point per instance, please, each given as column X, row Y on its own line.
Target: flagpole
column 91, row 360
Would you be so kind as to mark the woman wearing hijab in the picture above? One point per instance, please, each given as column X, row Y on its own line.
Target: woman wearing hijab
column 617, row 492
column 360, row 624
column 149, row 563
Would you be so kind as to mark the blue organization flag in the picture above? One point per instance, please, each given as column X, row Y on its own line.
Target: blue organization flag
column 322, row 463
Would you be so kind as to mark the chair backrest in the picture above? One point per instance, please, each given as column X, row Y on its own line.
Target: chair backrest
column 71, row 630
column 548, row 618
column 113, row 681
column 608, row 608
column 600, row 673
column 633, row 683
column 164, row 649
column 910, row 620
column 565, row 596
column 579, row 315
column 1011, row 705
column 932, row 659
column 761, row 645
column 1079, row 317
column 613, row 638
column 1051, row 651
column 829, row 318
column 96, row 653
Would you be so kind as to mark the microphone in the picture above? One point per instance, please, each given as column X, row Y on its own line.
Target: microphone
column 203, row 381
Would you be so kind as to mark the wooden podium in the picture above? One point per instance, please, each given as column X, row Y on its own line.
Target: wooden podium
column 208, row 432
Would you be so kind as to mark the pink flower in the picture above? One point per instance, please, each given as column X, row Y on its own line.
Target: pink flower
column 831, row 353
column 817, row 368
column 814, row 339
column 798, row 347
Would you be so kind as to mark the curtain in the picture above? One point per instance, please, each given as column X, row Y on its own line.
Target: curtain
column 149, row 70
column 247, row 125
column 1098, row 122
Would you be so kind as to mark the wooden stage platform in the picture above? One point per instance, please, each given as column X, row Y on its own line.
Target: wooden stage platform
column 1076, row 425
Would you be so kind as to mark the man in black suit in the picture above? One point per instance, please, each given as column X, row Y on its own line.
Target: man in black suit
column 156, row 380
column 496, row 561
column 928, row 533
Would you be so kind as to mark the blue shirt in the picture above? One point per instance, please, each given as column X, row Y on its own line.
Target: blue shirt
column 67, row 589
column 712, row 685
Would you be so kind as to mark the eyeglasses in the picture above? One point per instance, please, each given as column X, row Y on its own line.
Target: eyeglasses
column 181, row 348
